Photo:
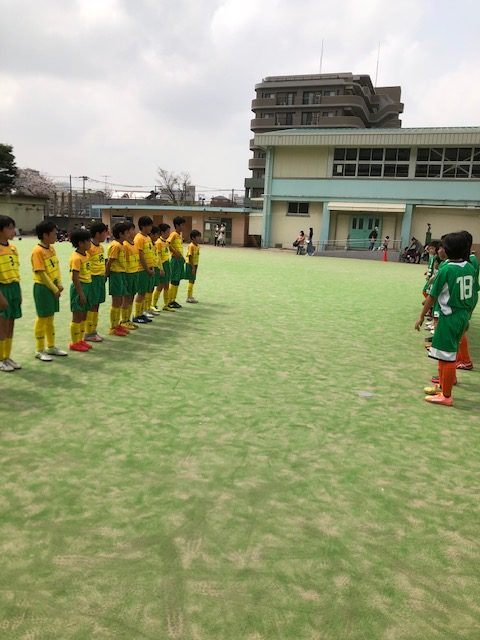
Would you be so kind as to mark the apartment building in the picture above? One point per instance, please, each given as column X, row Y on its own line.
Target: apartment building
column 340, row 100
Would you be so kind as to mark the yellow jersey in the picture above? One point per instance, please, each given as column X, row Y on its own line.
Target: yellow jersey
column 156, row 256
column 45, row 259
column 116, row 254
column 163, row 249
column 132, row 259
column 81, row 263
column 9, row 264
column 96, row 256
column 193, row 253
column 175, row 240
column 145, row 244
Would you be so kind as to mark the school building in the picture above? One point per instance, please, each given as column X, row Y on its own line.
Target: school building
column 345, row 182
column 27, row 211
column 202, row 218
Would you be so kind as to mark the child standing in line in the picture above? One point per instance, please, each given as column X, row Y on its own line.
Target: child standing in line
column 80, row 289
column 132, row 261
column 154, row 235
column 10, row 293
column 115, row 272
column 144, row 246
column 163, row 249
column 456, row 292
column 47, row 289
column 191, row 266
column 464, row 359
column 177, row 261
column 98, row 232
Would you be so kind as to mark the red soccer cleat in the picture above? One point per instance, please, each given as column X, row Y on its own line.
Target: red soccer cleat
column 78, row 346
column 439, row 398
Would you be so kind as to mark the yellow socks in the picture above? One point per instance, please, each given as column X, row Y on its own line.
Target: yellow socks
column 92, row 321
column 148, row 300
column 2, row 350
column 166, row 296
column 49, row 331
column 7, row 348
column 155, row 297
column 40, row 330
column 76, row 332
column 139, row 308
column 115, row 317
column 130, row 309
column 190, row 290
column 125, row 314
column 172, row 292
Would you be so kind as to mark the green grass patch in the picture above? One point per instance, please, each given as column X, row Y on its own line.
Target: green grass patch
column 220, row 474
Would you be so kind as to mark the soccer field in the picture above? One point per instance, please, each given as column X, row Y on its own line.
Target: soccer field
column 259, row 466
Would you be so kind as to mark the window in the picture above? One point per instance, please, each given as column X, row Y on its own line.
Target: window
column 298, row 209
column 371, row 162
column 285, row 98
column 284, row 119
column 312, row 97
column 447, row 162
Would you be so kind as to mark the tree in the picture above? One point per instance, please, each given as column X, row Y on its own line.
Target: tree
column 175, row 188
column 30, row 182
column 8, row 169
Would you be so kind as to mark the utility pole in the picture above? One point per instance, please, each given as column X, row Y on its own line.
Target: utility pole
column 84, row 178
column 70, row 198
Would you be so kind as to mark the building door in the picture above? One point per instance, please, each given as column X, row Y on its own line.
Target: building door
column 361, row 226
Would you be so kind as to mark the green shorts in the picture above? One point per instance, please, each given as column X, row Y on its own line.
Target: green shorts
column 190, row 275
column 145, row 282
column 74, row 299
column 97, row 292
column 156, row 277
column 46, row 303
column 116, row 284
column 177, row 269
column 447, row 336
column 13, row 294
column 165, row 279
column 131, row 282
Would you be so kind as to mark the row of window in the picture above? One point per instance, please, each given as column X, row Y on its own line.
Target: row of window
column 308, row 97
column 308, row 118
column 431, row 162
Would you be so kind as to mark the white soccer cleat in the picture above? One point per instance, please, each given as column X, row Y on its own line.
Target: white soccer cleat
column 55, row 351
column 43, row 356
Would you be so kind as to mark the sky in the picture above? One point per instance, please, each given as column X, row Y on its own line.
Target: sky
column 119, row 88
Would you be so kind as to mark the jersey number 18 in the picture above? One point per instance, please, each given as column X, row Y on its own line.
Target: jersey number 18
column 466, row 287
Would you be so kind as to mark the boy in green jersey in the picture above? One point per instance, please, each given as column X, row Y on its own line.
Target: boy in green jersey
column 455, row 290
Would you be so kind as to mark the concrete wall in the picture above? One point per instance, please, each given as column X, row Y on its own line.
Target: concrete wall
column 300, row 162
column 255, row 221
column 445, row 220
column 27, row 214
column 286, row 228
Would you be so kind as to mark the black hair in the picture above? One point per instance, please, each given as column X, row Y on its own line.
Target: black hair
column 144, row 221
column 163, row 227
column 46, row 226
column 469, row 238
column 302, row 233
column 79, row 235
column 178, row 220
column 195, row 233
column 6, row 221
column 435, row 244
column 129, row 225
column 155, row 230
column 456, row 245
column 118, row 229
column 97, row 227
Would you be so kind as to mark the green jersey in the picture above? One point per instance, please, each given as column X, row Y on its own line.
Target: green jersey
column 455, row 287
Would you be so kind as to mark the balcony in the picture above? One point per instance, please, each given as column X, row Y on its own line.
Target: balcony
column 262, row 123
column 260, row 103
column 254, row 183
column 257, row 163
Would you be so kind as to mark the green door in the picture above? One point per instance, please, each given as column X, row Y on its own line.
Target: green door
column 361, row 226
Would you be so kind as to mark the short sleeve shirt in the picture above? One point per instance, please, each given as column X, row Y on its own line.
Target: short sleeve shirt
column 145, row 244
column 45, row 259
column 9, row 264
column 132, row 259
column 97, row 259
column 163, row 249
column 193, row 251
column 455, row 287
column 81, row 263
column 116, row 253
column 175, row 240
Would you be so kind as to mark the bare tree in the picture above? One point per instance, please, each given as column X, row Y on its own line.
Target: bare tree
column 175, row 188
column 30, row 182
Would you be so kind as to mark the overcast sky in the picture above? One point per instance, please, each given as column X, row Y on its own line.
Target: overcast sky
column 121, row 87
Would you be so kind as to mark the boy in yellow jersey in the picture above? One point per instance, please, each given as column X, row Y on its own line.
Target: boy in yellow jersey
column 177, row 261
column 144, row 244
column 10, row 293
column 115, row 272
column 132, row 260
column 80, row 289
column 191, row 266
column 98, row 232
column 163, row 250
column 47, row 289
column 154, row 235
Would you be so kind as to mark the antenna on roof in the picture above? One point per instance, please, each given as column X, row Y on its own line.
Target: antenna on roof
column 378, row 60
column 321, row 58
